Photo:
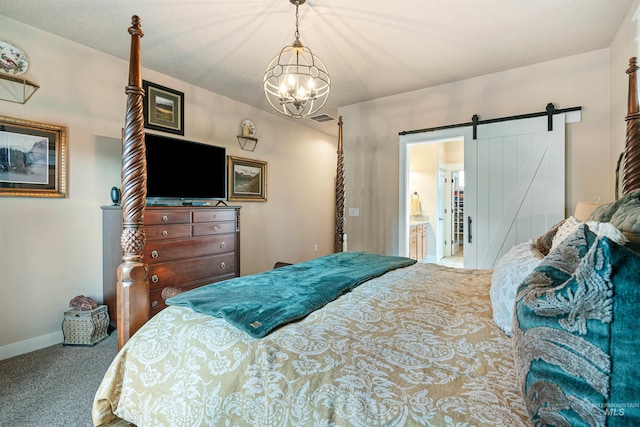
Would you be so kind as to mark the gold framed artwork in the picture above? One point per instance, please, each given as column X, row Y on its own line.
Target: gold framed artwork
column 247, row 179
column 163, row 108
column 33, row 159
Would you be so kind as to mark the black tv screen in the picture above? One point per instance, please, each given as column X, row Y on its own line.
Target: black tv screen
column 184, row 170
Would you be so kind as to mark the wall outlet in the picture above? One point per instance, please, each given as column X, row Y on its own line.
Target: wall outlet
column 315, row 248
column 354, row 211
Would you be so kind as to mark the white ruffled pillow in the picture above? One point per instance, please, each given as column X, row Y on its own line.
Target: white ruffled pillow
column 599, row 228
column 510, row 270
column 609, row 230
column 566, row 229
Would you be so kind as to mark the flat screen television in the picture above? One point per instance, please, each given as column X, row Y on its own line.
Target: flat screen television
column 184, row 172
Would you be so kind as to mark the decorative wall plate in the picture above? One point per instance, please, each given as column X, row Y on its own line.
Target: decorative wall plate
column 248, row 128
column 12, row 59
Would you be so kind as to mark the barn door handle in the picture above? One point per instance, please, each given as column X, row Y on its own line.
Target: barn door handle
column 469, row 229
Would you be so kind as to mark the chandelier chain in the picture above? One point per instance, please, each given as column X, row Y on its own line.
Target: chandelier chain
column 297, row 16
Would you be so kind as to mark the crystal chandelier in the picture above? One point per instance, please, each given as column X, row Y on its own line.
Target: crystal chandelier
column 296, row 82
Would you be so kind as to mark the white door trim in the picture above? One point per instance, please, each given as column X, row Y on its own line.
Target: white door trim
column 404, row 201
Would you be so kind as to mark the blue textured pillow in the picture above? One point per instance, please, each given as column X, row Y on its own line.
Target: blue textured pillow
column 575, row 335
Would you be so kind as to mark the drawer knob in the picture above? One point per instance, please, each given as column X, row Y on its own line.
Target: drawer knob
column 154, row 304
column 165, row 233
column 223, row 265
column 165, row 218
column 215, row 228
column 154, row 254
column 223, row 245
column 154, row 278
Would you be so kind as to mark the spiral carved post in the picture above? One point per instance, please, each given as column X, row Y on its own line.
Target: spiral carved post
column 339, row 239
column 133, row 283
column 631, row 175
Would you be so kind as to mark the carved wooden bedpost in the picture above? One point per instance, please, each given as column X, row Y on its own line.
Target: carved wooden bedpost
column 631, row 176
column 133, row 283
column 338, row 245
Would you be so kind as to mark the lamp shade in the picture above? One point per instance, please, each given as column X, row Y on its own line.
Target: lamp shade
column 584, row 209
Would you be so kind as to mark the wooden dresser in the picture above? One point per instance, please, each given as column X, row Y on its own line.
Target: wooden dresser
column 186, row 247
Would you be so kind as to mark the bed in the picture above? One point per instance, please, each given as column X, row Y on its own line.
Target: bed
column 546, row 338
column 365, row 359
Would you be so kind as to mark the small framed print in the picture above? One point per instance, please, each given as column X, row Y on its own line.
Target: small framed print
column 163, row 108
column 247, row 179
column 33, row 159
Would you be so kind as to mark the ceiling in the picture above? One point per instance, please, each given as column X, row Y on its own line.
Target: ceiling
column 372, row 48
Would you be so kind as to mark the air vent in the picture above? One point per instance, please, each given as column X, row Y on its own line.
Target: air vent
column 322, row 118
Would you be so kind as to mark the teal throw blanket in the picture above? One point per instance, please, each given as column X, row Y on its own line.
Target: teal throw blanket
column 261, row 302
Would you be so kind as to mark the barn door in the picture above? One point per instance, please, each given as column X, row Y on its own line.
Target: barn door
column 516, row 169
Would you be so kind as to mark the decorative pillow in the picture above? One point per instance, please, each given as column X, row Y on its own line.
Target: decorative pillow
column 510, row 270
column 606, row 229
column 575, row 334
column 624, row 213
column 570, row 224
column 543, row 242
column 567, row 227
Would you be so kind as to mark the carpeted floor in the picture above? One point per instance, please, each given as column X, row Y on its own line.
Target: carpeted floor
column 54, row 386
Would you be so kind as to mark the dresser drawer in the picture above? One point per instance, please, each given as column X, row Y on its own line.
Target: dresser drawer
column 208, row 228
column 172, row 250
column 213, row 215
column 167, row 216
column 155, row 295
column 163, row 232
column 178, row 272
column 156, row 302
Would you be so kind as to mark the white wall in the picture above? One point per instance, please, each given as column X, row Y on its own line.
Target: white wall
column 423, row 176
column 371, row 134
column 51, row 249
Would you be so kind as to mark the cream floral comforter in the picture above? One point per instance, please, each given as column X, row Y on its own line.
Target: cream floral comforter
column 417, row 346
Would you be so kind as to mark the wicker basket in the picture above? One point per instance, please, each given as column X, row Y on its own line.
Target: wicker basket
column 85, row 327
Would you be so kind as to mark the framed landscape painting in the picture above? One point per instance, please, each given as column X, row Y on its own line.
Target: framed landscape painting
column 33, row 159
column 163, row 108
column 247, row 179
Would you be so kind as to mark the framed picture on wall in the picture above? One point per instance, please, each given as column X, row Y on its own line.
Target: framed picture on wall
column 163, row 108
column 33, row 159
column 247, row 179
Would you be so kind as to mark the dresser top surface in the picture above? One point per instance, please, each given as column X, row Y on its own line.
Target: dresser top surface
column 155, row 207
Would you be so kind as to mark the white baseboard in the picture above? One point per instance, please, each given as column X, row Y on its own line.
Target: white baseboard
column 430, row 259
column 30, row 345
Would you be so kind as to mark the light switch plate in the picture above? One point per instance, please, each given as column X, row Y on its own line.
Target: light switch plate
column 354, row 211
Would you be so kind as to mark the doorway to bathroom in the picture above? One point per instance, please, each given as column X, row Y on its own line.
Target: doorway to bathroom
column 436, row 183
